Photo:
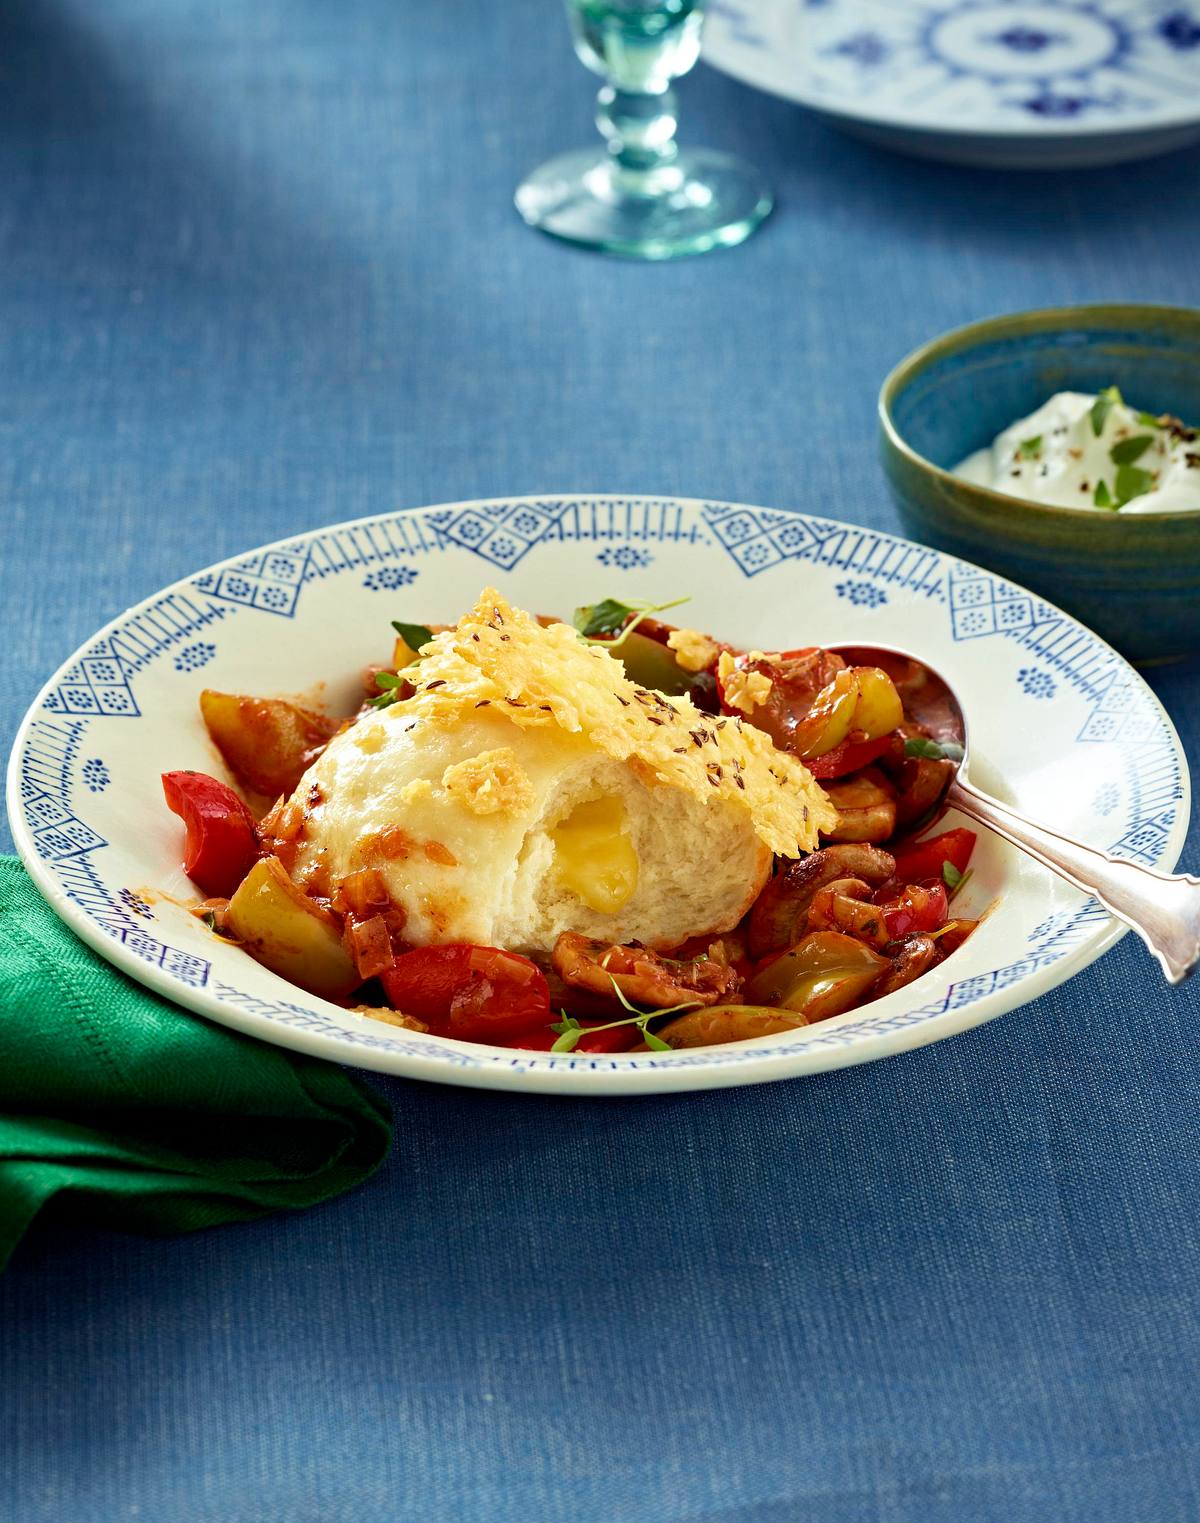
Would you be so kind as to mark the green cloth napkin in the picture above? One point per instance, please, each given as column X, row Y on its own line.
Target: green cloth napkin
column 129, row 1112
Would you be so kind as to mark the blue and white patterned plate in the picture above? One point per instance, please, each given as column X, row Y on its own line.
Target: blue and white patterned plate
column 1018, row 83
column 1060, row 723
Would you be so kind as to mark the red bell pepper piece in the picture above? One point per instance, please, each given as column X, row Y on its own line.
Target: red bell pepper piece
column 920, row 908
column 850, row 756
column 474, row 993
column 924, row 859
column 222, row 840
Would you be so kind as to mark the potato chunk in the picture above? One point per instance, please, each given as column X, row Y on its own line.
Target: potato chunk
column 284, row 930
column 266, row 742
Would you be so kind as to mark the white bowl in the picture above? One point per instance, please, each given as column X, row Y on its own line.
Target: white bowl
column 1060, row 724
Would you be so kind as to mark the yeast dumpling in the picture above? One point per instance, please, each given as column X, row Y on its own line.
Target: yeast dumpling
column 529, row 788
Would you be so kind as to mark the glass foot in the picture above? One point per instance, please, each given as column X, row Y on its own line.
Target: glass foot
column 702, row 200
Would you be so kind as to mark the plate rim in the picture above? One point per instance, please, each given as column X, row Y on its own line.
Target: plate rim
column 602, row 1074
column 727, row 57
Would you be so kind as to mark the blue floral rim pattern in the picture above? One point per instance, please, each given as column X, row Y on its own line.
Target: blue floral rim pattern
column 972, row 66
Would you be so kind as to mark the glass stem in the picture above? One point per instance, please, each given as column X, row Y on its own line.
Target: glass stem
column 639, row 128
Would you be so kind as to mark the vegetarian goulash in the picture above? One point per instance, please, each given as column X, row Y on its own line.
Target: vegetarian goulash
column 611, row 836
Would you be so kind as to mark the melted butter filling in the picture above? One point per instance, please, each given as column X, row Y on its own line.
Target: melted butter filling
column 594, row 856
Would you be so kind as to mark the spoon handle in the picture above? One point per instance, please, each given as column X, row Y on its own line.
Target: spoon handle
column 1163, row 908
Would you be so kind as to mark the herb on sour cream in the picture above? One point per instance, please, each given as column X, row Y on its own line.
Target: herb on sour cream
column 1093, row 452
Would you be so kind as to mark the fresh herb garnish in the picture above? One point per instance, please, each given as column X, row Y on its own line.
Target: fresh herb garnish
column 599, row 623
column 1126, row 451
column 390, row 682
column 954, row 880
column 210, row 920
column 1102, row 497
column 413, row 635
column 935, row 750
column 1149, row 420
column 1028, row 448
column 1132, row 482
column 604, row 618
column 570, row 1030
column 1109, row 398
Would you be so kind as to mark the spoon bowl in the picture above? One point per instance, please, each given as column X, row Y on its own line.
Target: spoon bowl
column 1163, row 908
column 927, row 696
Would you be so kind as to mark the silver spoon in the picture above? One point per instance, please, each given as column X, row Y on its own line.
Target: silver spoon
column 1163, row 908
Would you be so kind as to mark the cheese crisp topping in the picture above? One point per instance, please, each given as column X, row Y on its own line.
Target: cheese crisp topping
column 499, row 657
column 743, row 690
column 493, row 782
column 694, row 651
column 368, row 737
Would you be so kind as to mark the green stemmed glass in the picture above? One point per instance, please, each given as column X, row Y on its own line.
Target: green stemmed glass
column 643, row 197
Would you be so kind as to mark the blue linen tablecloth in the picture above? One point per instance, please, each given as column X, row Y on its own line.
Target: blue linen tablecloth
column 259, row 271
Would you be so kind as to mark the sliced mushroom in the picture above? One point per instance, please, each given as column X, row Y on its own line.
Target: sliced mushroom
column 917, row 955
column 866, row 806
column 845, row 905
column 780, row 914
column 920, row 787
column 642, row 976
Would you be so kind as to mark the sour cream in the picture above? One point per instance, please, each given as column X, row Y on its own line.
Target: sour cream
column 1081, row 451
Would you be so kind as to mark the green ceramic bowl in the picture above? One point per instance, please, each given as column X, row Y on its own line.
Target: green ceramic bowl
column 1135, row 579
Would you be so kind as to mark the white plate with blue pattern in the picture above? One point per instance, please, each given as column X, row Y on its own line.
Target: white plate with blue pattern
column 1060, row 723
column 1039, row 84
